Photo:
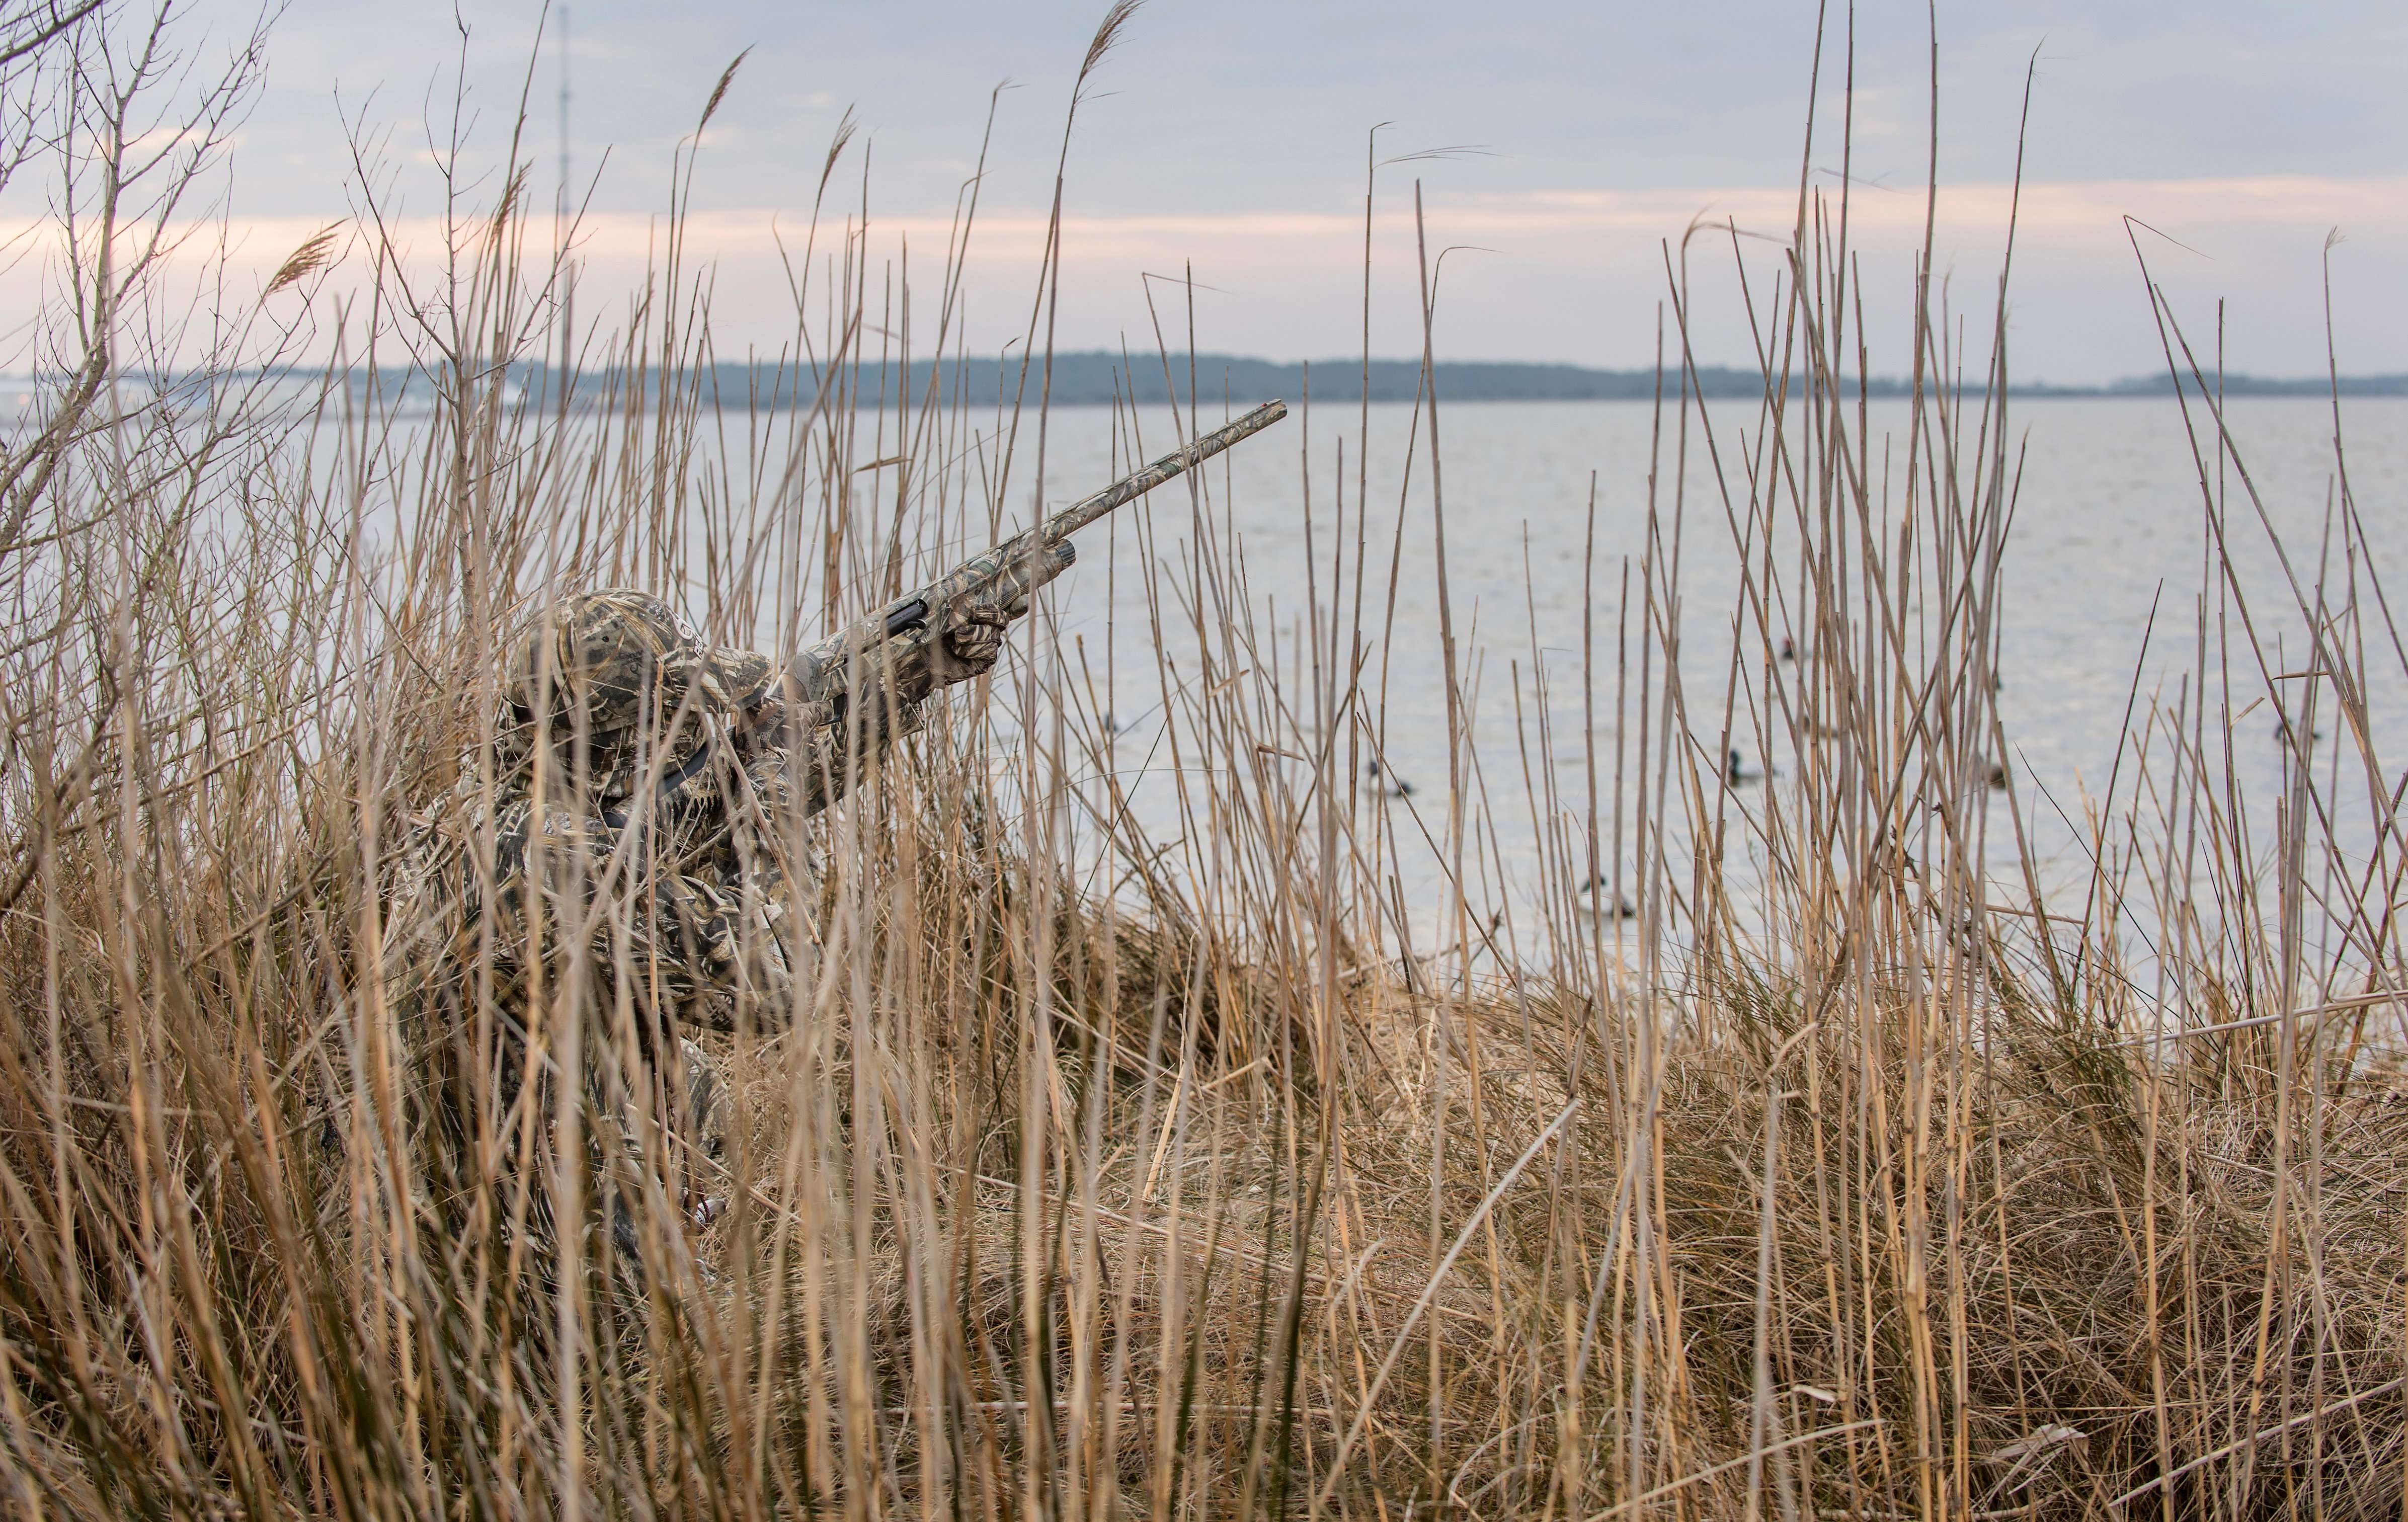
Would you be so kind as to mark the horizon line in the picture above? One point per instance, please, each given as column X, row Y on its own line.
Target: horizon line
column 1096, row 376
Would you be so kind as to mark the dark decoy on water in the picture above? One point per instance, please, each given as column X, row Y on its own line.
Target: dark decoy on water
column 1788, row 648
column 1596, row 886
column 1391, row 785
column 2283, row 730
column 1738, row 770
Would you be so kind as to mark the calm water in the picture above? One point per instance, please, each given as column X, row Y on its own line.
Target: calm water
column 2108, row 517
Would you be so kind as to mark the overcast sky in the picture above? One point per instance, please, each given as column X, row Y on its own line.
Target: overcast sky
column 1231, row 134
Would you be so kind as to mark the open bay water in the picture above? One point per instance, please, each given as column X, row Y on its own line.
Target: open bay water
column 2108, row 521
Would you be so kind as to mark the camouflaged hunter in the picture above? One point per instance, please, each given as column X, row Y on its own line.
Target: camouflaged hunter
column 647, row 791
column 612, row 696
column 683, row 886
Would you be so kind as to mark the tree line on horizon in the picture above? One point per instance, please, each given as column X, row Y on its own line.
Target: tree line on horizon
column 1090, row 378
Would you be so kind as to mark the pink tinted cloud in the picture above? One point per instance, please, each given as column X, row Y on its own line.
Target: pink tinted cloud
column 1559, row 275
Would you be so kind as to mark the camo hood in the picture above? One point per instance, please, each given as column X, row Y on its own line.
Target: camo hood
column 620, row 653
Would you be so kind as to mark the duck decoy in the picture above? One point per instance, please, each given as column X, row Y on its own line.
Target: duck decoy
column 1738, row 770
column 1390, row 784
column 1589, row 891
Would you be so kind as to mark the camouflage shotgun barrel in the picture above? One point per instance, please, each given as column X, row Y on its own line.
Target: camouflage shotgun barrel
column 896, row 644
column 1004, row 577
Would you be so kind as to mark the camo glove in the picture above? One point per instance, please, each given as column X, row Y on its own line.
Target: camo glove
column 972, row 644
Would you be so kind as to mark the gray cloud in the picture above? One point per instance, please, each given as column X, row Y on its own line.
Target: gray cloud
column 1246, row 108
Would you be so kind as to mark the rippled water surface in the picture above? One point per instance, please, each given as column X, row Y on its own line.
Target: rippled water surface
column 2108, row 520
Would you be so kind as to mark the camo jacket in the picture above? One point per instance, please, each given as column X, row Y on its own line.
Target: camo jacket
column 684, row 899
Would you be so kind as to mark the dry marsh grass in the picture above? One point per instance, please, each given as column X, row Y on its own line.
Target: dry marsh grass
column 1094, row 1175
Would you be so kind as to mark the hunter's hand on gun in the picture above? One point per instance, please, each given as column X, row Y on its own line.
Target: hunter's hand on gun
column 972, row 648
column 971, row 643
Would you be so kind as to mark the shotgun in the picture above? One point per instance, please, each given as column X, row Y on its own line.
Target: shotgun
column 900, row 645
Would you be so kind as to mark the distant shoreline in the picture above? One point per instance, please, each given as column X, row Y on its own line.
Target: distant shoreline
column 1092, row 377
